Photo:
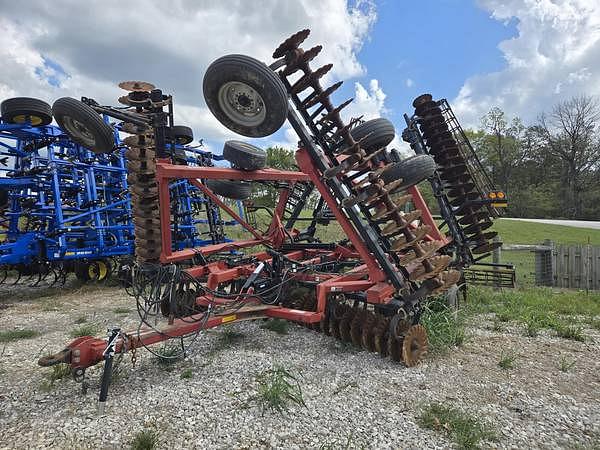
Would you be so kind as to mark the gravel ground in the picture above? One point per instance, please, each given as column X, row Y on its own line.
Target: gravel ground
column 353, row 399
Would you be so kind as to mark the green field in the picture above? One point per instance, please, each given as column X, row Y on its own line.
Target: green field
column 518, row 232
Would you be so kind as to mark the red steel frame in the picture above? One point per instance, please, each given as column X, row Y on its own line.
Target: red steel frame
column 367, row 277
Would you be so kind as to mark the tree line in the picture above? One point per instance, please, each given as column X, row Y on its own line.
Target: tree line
column 548, row 169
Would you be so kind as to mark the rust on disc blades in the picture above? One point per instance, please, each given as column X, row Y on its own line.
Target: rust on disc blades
column 451, row 171
column 427, row 109
column 466, row 197
column 468, row 208
column 291, row 43
column 459, row 189
column 477, row 227
column 136, row 86
column 447, row 162
column 489, row 235
column 472, row 218
column 486, row 248
column 457, row 181
column 421, row 100
column 414, row 345
column 448, row 150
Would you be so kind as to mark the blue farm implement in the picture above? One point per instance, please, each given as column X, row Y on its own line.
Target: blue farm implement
column 65, row 208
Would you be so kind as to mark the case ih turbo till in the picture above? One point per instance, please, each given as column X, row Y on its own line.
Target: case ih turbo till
column 367, row 289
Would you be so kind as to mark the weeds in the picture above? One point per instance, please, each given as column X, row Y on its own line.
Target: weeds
column 573, row 332
column 51, row 305
column 186, row 374
column 466, row 431
column 277, row 388
column 279, row 326
column 79, row 320
column 168, row 354
column 54, row 374
column 507, row 360
column 89, row 329
column 121, row 310
column 498, row 325
column 229, row 337
column 445, row 329
column 334, row 444
column 146, row 439
column 565, row 365
column 15, row 335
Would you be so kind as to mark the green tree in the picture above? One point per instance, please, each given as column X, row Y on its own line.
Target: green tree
column 570, row 133
column 266, row 194
column 500, row 142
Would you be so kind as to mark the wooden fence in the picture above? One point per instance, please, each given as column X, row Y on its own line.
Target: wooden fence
column 568, row 266
column 576, row 266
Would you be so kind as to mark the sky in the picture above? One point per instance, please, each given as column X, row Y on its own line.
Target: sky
column 523, row 56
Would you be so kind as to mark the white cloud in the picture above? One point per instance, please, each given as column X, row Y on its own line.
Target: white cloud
column 98, row 44
column 409, row 82
column 555, row 55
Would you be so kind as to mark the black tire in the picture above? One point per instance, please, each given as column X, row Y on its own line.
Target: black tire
column 183, row 135
column 20, row 110
column 245, row 95
column 81, row 271
column 377, row 133
column 412, row 170
column 235, row 190
column 244, row 156
column 83, row 125
column 3, row 198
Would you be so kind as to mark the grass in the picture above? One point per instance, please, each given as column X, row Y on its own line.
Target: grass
column 168, row 354
column 279, row 326
column 573, row 332
column 79, row 320
column 565, row 365
column 465, row 430
column 186, row 374
column 146, row 439
column 507, row 360
column 15, row 335
column 334, row 445
column 519, row 232
column 277, row 389
column 538, row 308
column 228, row 338
column 90, row 329
column 445, row 329
column 121, row 310
column 54, row 374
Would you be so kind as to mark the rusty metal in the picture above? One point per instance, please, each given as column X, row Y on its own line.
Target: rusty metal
column 136, row 86
column 414, row 345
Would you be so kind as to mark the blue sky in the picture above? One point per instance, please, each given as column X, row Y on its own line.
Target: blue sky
column 523, row 56
column 437, row 44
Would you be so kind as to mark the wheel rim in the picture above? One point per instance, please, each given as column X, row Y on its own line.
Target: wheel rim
column 24, row 118
column 97, row 270
column 79, row 130
column 242, row 104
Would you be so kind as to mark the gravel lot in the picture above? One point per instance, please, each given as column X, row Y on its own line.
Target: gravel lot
column 353, row 399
